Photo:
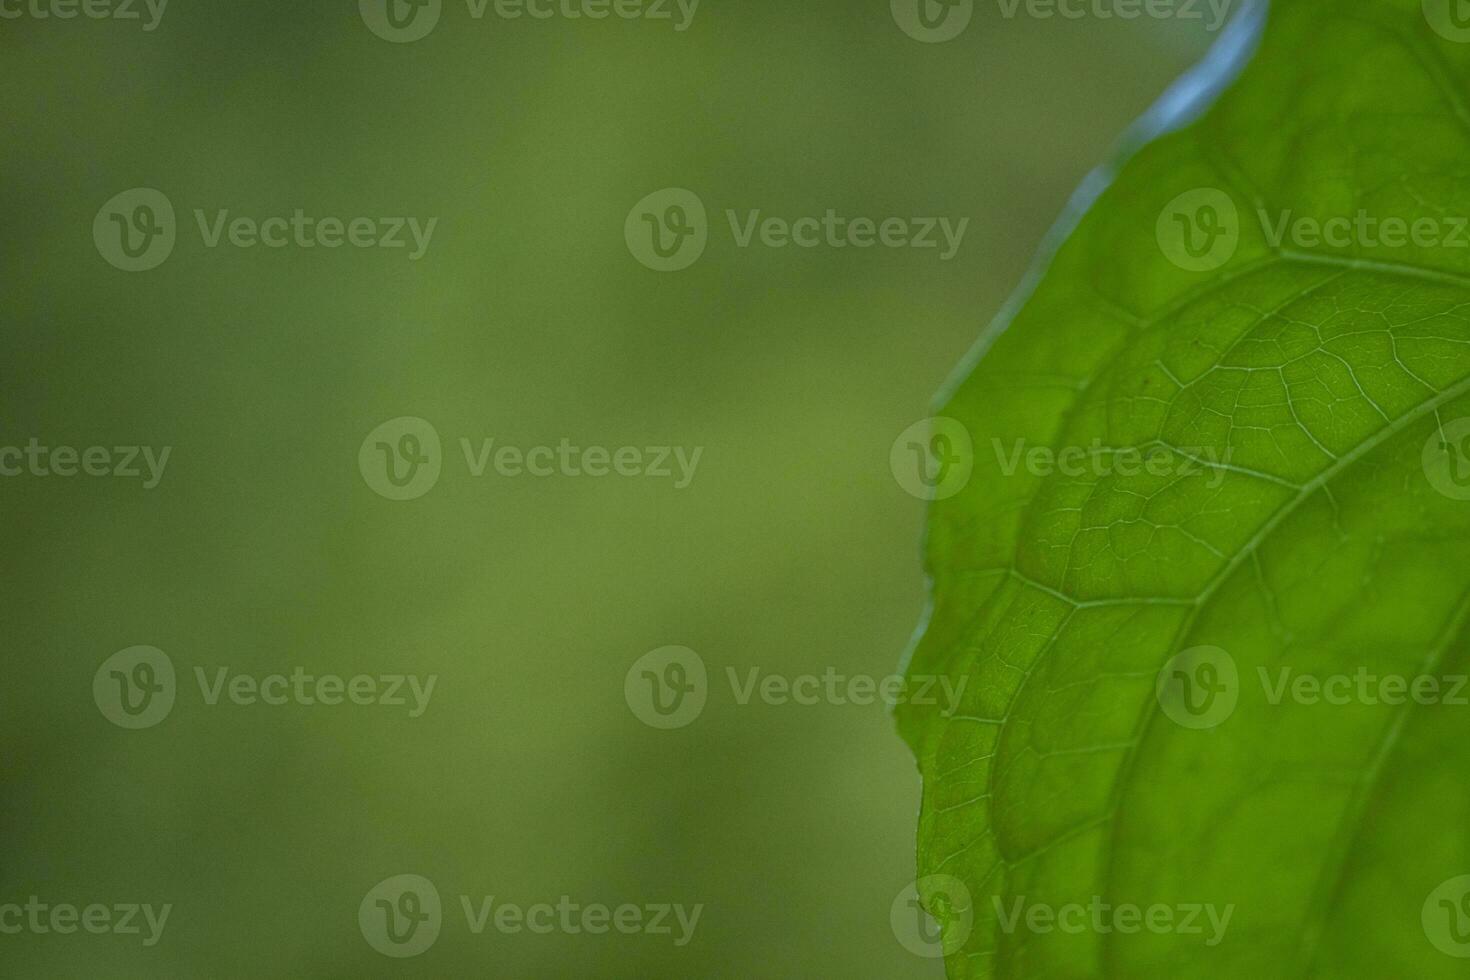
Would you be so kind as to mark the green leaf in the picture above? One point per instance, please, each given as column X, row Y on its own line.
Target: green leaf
column 1139, row 732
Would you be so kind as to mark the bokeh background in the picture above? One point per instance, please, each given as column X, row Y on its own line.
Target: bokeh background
column 794, row 550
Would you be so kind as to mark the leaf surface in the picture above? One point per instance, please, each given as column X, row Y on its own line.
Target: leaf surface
column 1298, row 399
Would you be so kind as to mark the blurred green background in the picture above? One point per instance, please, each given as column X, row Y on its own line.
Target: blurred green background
column 794, row 550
